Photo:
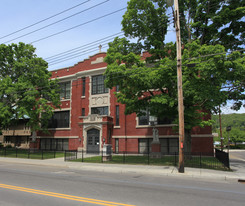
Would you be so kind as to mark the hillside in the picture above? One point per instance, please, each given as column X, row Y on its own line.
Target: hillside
column 237, row 123
column 233, row 120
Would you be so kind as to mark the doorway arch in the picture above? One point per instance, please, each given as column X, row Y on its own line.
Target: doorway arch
column 93, row 141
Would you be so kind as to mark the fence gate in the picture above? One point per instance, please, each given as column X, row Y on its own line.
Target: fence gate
column 70, row 155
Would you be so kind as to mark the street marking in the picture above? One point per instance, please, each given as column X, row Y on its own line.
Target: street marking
column 64, row 196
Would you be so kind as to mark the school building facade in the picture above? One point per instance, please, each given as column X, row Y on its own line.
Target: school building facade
column 90, row 117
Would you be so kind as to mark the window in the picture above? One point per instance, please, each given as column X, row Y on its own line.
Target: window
column 99, row 110
column 144, row 119
column 65, row 90
column 98, row 86
column 54, row 144
column 83, row 111
column 117, row 88
column 84, row 86
column 117, row 115
column 60, row 120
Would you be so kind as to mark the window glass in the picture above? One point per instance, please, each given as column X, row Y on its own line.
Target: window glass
column 99, row 110
column 60, row 120
column 144, row 119
column 117, row 115
column 65, row 90
column 83, row 111
column 98, row 86
column 84, row 86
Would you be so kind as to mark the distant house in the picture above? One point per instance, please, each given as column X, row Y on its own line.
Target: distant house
column 90, row 117
column 17, row 135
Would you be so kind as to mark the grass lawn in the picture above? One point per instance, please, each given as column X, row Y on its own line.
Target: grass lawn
column 206, row 162
column 22, row 153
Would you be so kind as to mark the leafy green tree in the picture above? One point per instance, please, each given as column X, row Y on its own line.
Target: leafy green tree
column 151, row 83
column 26, row 90
column 213, row 22
column 236, row 135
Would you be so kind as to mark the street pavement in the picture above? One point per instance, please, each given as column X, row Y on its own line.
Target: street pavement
column 237, row 166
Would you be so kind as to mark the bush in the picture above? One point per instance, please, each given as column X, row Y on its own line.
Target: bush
column 239, row 146
column 1, row 145
column 8, row 146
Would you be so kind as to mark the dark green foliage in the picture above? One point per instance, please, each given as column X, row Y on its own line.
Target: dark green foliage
column 25, row 87
column 213, row 22
column 151, row 83
column 237, row 123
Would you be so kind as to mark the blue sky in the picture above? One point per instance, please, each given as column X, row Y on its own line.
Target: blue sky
column 17, row 14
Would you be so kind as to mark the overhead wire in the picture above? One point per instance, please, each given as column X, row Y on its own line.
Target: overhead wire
column 90, row 21
column 43, row 20
column 122, row 76
column 57, row 21
column 81, row 47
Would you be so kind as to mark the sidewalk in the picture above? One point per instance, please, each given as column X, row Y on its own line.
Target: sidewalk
column 138, row 169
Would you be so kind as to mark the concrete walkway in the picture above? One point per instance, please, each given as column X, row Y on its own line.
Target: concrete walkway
column 237, row 174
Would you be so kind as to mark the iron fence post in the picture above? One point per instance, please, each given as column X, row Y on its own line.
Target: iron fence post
column 16, row 152
column 5, row 152
column 29, row 153
column 42, row 154
column 148, row 157
column 102, row 157
column 82, row 155
column 124, row 157
column 200, row 160
column 175, row 159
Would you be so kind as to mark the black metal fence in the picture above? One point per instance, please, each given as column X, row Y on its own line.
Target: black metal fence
column 27, row 153
column 196, row 160
column 223, row 157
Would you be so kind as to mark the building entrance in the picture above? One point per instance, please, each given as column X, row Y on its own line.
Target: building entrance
column 93, row 141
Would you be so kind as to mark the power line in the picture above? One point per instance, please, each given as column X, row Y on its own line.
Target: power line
column 209, row 55
column 128, row 74
column 57, row 21
column 73, row 57
column 45, row 19
column 78, row 48
column 78, row 25
column 78, row 53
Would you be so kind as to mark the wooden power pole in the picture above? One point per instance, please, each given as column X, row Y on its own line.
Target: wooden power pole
column 180, row 89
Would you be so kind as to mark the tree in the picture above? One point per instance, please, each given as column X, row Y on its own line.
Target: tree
column 26, row 90
column 213, row 22
column 151, row 83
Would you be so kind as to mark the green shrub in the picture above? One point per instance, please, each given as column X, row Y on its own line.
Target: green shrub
column 8, row 146
column 239, row 146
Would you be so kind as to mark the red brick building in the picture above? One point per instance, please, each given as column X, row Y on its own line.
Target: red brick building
column 90, row 117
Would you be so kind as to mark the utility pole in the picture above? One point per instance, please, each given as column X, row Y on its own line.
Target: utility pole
column 180, row 89
column 220, row 127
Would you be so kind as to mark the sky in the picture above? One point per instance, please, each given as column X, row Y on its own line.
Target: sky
column 57, row 26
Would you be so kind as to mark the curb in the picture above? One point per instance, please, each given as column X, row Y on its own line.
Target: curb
column 141, row 169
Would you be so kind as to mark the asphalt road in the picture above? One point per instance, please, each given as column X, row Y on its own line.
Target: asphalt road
column 237, row 161
column 37, row 185
column 237, row 155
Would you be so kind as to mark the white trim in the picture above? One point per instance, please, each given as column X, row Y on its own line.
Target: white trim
column 90, row 72
column 85, row 132
column 58, row 137
column 62, row 109
column 158, row 125
column 117, row 127
column 145, row 136
column 162, row 136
